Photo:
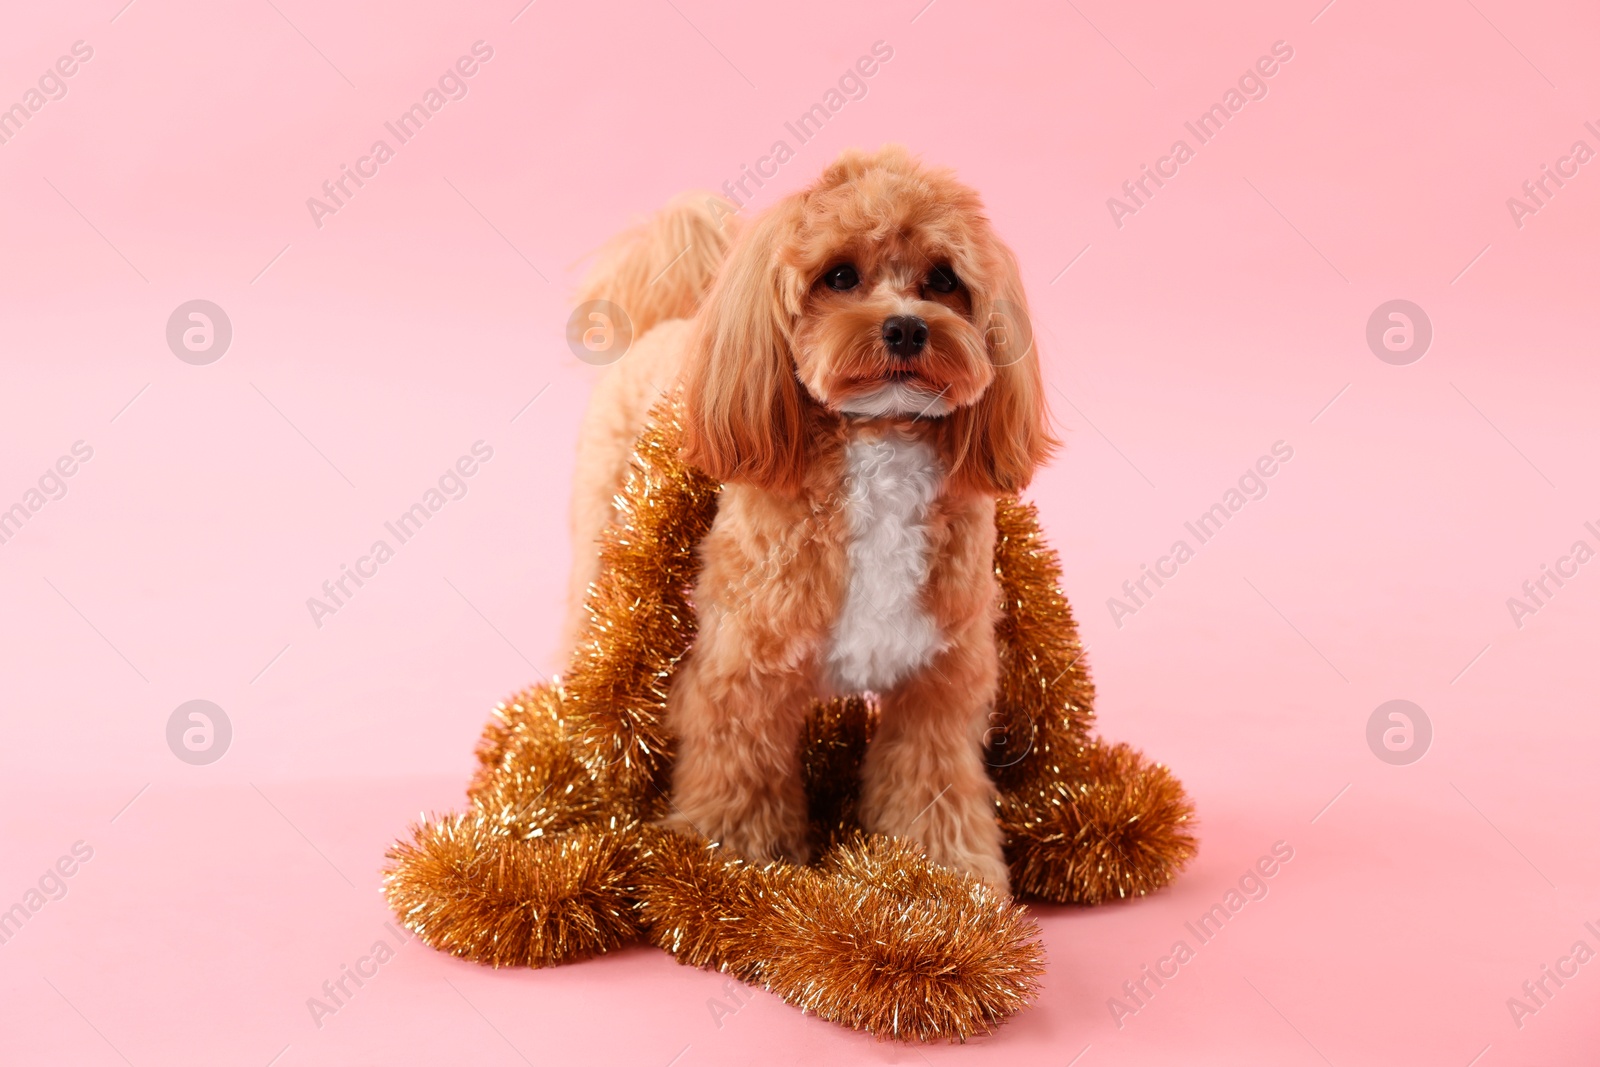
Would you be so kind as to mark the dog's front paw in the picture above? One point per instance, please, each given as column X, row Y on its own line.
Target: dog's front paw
column 957, row 828
column 761, row 845
column 989, row 869
column 757, row 839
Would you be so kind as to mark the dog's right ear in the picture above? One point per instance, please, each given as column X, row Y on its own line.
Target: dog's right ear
column 744, row 411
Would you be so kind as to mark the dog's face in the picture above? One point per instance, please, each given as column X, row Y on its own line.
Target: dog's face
column 879, row 293
column 885, row 326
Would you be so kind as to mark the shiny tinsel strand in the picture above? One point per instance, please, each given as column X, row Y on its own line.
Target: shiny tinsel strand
column 1045, row 704
column 1118, row 826
column 529, row 781
column 876, row 937
column 701, row 904
column 556, row 859
column 881, row 940
column 641, row 623
column 468, row 888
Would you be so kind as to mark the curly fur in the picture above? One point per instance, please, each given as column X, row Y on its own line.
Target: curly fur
column 853, row 543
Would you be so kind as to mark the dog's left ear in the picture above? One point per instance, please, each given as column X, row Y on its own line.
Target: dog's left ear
column 744, row 413
column 1006, row 434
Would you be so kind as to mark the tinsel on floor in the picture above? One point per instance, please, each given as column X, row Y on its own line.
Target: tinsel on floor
column 557, row 858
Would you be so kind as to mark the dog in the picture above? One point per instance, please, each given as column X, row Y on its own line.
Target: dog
column 857, row 369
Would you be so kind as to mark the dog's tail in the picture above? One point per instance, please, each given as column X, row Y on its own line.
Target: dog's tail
column 661, row 268
column 656, row 273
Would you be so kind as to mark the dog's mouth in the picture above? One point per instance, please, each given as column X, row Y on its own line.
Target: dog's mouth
column 899, row 392
column 898, row 374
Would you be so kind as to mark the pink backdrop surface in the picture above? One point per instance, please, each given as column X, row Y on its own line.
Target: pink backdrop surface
column 1182, row 341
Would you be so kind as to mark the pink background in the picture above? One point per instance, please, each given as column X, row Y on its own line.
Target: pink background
column 1227, row 314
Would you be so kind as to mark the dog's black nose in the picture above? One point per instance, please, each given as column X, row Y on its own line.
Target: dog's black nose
column 905, row 335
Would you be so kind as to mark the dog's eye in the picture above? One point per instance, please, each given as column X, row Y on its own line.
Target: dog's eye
column 842, row 278
column 943, row 280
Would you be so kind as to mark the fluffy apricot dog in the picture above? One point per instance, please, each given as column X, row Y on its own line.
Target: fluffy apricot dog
column 860, row 375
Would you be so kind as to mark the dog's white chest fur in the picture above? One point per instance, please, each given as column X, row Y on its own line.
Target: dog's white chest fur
column 883, row 631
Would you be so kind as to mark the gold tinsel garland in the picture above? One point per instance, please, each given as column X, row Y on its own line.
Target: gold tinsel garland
column 557, row 858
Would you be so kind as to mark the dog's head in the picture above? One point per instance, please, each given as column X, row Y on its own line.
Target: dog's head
column 881, row 292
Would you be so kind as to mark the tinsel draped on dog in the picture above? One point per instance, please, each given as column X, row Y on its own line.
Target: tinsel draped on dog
column 841, row 386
